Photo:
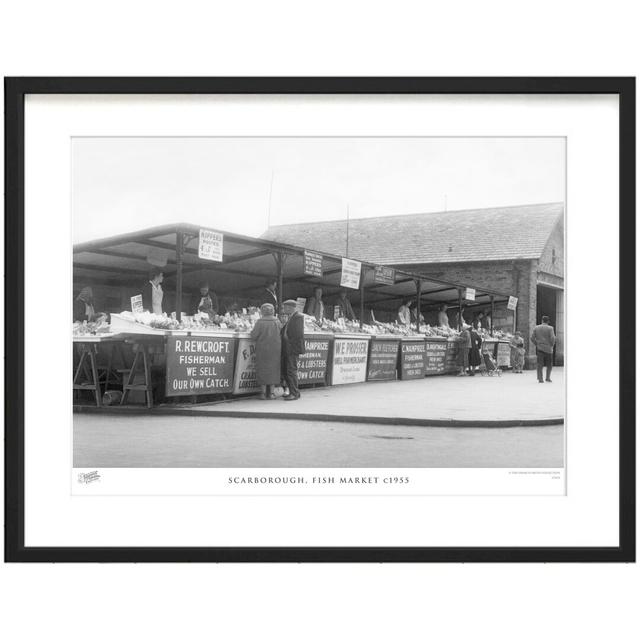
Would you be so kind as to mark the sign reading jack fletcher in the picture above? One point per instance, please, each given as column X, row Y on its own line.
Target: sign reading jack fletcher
column 198, row 366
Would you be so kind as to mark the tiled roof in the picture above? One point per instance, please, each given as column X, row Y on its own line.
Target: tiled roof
column 504, row 233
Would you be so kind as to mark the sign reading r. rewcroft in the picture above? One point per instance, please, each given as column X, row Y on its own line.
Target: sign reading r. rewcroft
column 350, row 273
column 210, row 245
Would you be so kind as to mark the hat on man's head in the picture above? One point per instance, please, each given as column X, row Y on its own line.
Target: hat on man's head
column 290, row 303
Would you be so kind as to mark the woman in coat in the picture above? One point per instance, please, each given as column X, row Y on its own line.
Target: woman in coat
column 266, row 334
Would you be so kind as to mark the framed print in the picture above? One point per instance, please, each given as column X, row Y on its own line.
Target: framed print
column 320, row 319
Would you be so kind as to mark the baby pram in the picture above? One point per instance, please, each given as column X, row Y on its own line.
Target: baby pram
column 489, row 366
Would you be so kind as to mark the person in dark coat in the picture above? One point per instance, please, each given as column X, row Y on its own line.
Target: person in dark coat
column 475, row 355
column 464, row 346
column 292, row 347
column 266, row 333
column 344, row 306
column 544, row 339
column 205, row 301
column 268, row 295
column 152, row 293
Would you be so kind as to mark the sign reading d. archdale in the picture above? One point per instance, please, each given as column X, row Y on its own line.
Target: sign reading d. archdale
column 199, row 365
column 312, row 264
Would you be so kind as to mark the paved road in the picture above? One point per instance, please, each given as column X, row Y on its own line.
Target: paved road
column 164, row 441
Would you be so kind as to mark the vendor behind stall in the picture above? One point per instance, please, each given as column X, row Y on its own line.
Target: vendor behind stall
column 152, row 293
column 315, row 306
column 404, row 312
column 268, row 295
column 84, row 307
column 443, row 318
column 205, row 301
column 344, row 306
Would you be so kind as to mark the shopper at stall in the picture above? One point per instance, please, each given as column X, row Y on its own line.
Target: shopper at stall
column 475, row 351
column 404, row 312
column 517, row 352
column 315, row 306
column 344, row 306
column 443, row 318
column 414, row 315
column 152, row 293
column 544, row 339
column 268, row 294
column 84, row 307
column 292, row 347
column 205, row 301
column 464, row 342
column 266, row 333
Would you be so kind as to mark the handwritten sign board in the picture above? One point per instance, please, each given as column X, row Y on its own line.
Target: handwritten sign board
column 451, row 359
column 312, row 365
column 199, row 366
column 349, row 362
column 469, row 294
column 412, row 359
column 136, row 304
column 312, row 264
column 512, row 304
column 384, row 275
column 300, row 304
column 210, row 245
column 350, row 273
column 383, row 359
column 503, row 354
column 244, row 379
column 435, row 357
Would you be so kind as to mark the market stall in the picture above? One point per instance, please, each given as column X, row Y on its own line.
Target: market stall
column 202, row 354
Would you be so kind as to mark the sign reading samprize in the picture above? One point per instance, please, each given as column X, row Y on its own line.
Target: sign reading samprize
column 199, row 366
column 312, row 364
column 349, row 362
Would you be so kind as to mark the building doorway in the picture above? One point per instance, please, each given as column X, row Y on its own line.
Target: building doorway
column 550, row 302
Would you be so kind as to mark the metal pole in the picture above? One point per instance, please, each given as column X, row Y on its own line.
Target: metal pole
column 459, row 309
column 362, row 296
column 179, row 254
column 418, row 303
column 492, row 308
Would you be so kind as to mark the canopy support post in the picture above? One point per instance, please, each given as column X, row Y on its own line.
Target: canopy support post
column 459, row 309
column 418, row 303
column 492, row 309
column 280, row 266
column 179, row 256
column 362, row 296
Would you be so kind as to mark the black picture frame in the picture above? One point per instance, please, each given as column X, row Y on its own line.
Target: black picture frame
column 15, row 91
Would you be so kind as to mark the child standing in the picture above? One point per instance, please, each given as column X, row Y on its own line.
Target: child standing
column 517, row 349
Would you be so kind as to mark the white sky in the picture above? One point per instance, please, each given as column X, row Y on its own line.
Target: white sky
column 125, row 184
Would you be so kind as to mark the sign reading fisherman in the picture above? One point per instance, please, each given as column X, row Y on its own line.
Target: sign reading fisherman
column 199, row 366
column 350, row 273
column 210, row 245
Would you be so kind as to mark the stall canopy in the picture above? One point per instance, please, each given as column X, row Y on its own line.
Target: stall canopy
column 124, row 261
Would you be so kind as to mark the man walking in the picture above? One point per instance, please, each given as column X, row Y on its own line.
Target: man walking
column 544, row 339
column 292, row 347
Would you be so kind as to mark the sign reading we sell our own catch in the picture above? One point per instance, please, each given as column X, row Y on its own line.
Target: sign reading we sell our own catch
column 210, row 245
column 199, row 365
column 350, row 273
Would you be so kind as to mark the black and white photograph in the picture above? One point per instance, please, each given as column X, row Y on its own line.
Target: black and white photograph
column 334, row 303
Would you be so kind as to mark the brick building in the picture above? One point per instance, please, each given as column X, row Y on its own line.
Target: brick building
column 516, row 250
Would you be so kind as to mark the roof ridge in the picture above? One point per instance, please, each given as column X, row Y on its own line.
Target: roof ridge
column 423, row 213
